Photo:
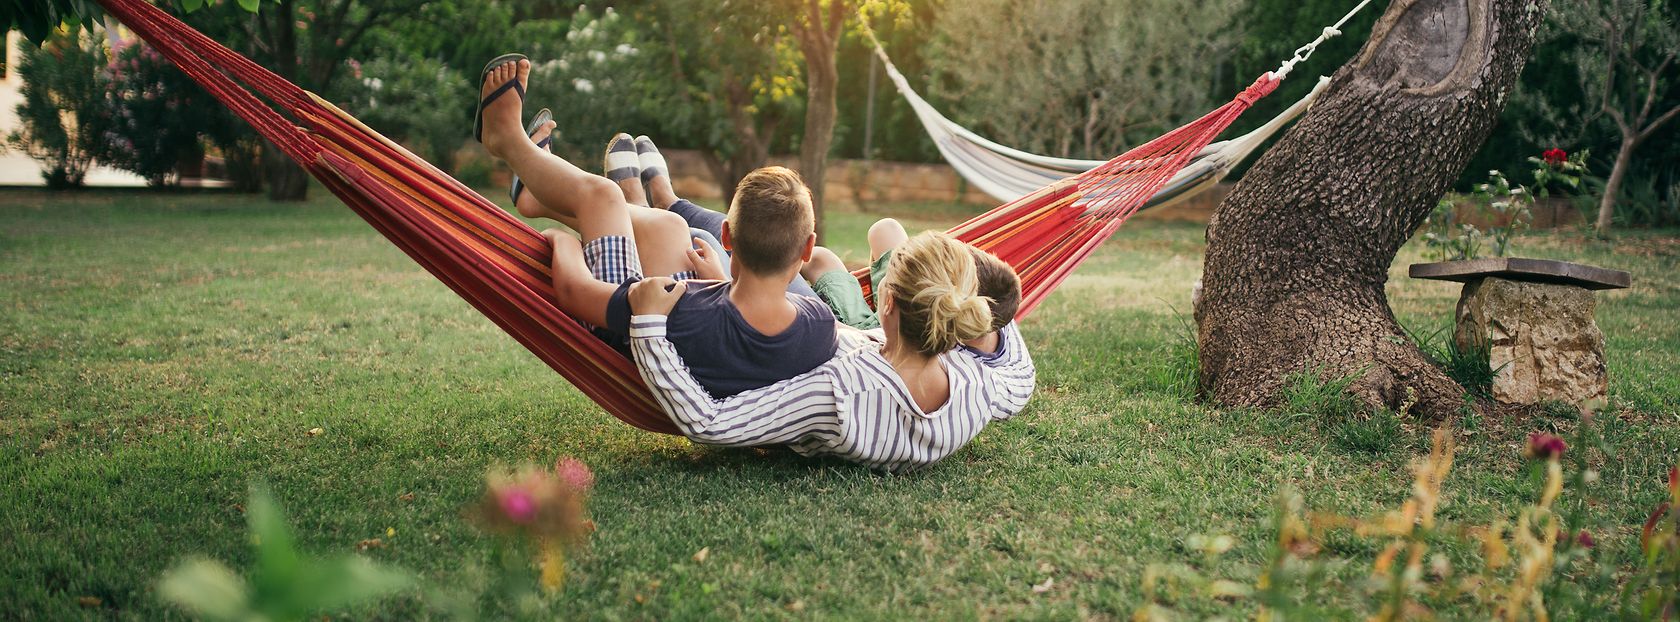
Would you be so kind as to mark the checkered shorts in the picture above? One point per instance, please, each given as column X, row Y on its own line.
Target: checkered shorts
column 612, row 259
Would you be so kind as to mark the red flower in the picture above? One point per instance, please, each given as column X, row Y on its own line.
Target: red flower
column 1555, row 157
column 1545, row 446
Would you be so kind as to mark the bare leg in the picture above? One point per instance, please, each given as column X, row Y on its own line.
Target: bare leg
column 823, row 261
column 886, row 234
column 555, row 183
column 659, row 191
column 663, row 242
column 632, row 189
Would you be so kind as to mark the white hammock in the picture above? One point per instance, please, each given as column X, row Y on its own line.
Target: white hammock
column 1009, row 174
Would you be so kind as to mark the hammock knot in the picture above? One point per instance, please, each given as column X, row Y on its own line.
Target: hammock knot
column 1263, row 86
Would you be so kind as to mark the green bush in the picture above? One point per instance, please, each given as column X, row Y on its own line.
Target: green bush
column 63, row 111
column 419, row 102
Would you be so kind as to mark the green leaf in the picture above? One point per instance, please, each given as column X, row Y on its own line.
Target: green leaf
column 277, row 556
column 250, row 5
column 194, row 5
column 207, row 589
column 336, row 583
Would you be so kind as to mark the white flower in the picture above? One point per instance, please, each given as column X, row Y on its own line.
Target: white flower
column 624, row 49
column 597, row 55
column 583, row 86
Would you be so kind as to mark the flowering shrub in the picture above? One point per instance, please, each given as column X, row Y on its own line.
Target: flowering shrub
column 1557, row 171
column 155, row 114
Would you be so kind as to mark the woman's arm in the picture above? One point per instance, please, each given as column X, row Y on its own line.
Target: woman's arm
column 785, row 412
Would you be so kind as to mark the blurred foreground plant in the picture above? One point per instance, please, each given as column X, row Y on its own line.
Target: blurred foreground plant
column 284, row 584
column 544, row 509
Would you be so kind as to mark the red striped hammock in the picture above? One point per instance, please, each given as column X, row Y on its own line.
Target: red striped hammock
column 501, row 265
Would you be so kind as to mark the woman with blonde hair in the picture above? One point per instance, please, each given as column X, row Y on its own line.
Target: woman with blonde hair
column 896, row 398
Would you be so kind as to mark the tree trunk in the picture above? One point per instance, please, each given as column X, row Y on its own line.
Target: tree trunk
column 1613, row 185
column 286, row 180
column 821, row 81
column 1299, row 253
column 819, row 40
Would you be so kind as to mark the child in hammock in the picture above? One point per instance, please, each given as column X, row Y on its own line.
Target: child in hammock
column 737, row 335
column 896, row 398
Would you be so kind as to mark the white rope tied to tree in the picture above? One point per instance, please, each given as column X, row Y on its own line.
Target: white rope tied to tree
column 1304, row 52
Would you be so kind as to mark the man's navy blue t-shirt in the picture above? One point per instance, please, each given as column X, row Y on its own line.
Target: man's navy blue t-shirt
column 725, row 353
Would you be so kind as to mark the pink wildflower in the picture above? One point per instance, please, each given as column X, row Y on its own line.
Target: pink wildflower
column 517, row 505
column 575, row 474
column 1545, row 446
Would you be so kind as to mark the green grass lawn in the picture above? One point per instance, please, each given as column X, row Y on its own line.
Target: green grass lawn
column 160, row 352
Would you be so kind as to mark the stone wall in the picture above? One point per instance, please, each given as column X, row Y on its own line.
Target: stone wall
column 860, row 181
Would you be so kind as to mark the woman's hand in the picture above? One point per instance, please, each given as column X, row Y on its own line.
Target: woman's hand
column 655, row 296
column 708, row 266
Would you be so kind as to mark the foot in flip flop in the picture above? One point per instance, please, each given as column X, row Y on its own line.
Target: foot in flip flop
column 501, row 100
column 541, row 131
column 654, row 176
column 622, row 166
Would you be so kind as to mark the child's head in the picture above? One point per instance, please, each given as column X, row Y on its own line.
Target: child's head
column 771, row 223
column 998, row 282
column 931, row 287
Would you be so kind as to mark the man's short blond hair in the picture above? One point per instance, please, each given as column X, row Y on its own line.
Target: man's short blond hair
column 770, row 220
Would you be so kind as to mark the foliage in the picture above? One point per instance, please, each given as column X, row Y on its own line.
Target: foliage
column 1470, row 365
column 1558, row 171
column 63, row 111
column 1540, row 556
column 419, row 102
column 156, row 115
column 1309, row 394
column 1446, row 238
column 284, row 584
column 1081, row 78
column 1510, row 206
column 726, row 90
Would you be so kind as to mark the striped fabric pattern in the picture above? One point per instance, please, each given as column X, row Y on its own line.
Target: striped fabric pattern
column 854, row 407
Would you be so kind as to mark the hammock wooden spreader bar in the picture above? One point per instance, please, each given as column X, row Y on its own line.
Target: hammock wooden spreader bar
column 499, row 264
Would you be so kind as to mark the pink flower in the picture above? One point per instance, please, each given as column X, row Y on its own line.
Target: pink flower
column 1545, row 446
column 1585, row 540
column 517, row 505
column 575, row 474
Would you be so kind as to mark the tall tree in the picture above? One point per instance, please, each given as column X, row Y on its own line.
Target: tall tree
column 1627, row 68
column 1299, row 253
column 817, row 26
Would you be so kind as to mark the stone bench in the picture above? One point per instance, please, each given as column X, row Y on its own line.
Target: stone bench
column 1535, row 316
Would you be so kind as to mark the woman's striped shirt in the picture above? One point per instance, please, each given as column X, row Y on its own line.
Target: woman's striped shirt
column 855, row 406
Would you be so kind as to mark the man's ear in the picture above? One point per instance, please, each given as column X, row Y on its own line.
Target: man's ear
column 810, row 246
column 725, row 240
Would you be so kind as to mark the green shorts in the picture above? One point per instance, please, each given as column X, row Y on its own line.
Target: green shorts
column 877, row 274
column 841, row 291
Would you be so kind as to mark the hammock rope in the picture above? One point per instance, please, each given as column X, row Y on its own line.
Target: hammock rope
column 499, row 264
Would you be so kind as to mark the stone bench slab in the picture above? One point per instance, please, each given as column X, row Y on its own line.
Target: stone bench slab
column 1522, row 269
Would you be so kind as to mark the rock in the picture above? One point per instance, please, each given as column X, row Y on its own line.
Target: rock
column 1543, row 341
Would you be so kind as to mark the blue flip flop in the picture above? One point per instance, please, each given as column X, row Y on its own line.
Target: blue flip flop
column 513, row 85
column 543, row 116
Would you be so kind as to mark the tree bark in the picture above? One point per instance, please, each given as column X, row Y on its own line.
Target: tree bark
column 285, row 179
column 819, row 41
column 1613, row 185
column 1298, row 255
